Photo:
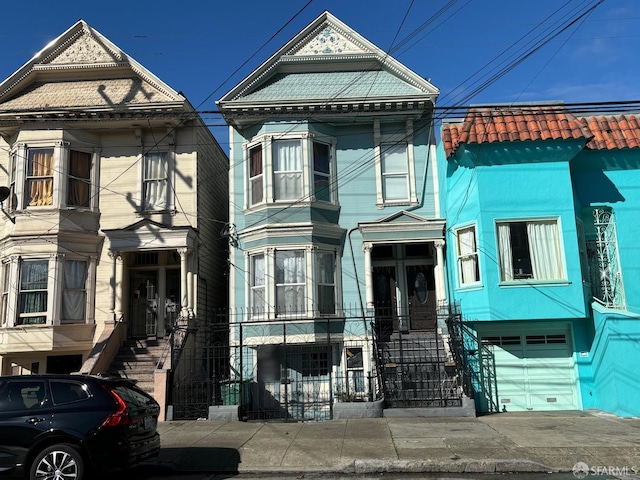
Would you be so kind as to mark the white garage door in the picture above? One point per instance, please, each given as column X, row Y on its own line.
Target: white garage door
column 534, row 371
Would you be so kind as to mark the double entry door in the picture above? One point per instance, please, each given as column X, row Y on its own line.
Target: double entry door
column 405, row 297
column 154, row 302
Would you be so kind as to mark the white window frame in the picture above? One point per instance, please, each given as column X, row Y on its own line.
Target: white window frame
column 257, row 179
column 257, row 311
column 384, row 143
column 19, row 177
column 80, row 291
column 167, row 178
column 311, row 261
column 466, row 253
column 555, row 268
column 321, row 283
column 22, row 316
column 307, row 175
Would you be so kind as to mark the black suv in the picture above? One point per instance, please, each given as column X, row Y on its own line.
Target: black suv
column 56, row 426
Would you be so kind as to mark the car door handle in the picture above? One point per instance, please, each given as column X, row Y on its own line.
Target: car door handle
column 35, row 420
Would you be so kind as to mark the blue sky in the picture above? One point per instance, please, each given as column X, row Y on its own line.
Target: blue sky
column 196, row 46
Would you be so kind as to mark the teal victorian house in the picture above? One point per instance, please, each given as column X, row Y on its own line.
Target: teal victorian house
column 542, row 209
column 337, row 232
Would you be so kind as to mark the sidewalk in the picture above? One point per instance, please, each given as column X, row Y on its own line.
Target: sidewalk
column 504, row 442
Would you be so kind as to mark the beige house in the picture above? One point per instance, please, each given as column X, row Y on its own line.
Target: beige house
column 114, row 196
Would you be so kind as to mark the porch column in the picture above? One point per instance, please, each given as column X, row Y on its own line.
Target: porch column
column 368, row 274
column 441, row 294
column 184, row 293
column 115, row 256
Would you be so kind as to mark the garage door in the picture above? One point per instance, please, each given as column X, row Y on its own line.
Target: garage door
column 534, row 371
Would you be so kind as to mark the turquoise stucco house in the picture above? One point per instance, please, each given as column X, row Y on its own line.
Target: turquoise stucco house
column 542, row 207
column 335, row 217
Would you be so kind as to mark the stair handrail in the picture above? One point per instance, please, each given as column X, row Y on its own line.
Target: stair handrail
column 476, row 359
column 175, row 343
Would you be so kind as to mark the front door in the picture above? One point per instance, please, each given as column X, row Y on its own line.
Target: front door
column 144, row 304
column 421, row 297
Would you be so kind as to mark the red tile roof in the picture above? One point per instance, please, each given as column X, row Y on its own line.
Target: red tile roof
column 510, row 124
column 613, row 131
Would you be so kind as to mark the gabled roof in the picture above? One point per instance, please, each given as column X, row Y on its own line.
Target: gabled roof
column 553, row 122
column 325, row 65
column 82, row 69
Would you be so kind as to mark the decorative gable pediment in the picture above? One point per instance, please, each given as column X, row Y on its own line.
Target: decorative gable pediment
column 402, row 226
column 82, row 48
column 82, row 68
column 328, row 64
column 328, row 41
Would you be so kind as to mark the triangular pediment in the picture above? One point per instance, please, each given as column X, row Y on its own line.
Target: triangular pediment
column 402, row 226
column 82, row 68
column 328, row 61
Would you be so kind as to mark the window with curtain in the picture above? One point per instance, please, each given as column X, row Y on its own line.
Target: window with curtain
column 257, row 285
column 467, row 256
column 530, row 251
column 39, row 180
column 395, row 171
column 34, row 275
column 321, row 172
column 79, row 179
column 287, row 170
column 290, row 280
column 155, row 181
column 326, row 283
column 256, row 183
column 74, row 295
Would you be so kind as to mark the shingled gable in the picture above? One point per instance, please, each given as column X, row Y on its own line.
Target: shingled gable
column 82, row 69
column 328, row 67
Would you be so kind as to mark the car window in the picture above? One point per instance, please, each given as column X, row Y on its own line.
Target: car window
column 68, row 392
column 22, row 395
column 133, row 397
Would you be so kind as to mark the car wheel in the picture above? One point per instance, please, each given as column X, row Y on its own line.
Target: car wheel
column 58, row 462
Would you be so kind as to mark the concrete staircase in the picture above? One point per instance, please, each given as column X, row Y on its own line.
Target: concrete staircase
column 137, row 360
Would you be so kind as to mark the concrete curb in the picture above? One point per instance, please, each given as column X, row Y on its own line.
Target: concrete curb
column 463, row 466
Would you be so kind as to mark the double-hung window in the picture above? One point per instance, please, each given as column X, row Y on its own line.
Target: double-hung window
column 467, row 252
column 326, row 283
column 256, row 176
column 530, row 250
column 290, row 282
column 79, row 179
column 39, row 180
column 287, row 169
column 155, row 181
column 257, row 299
column 34, row 275
column 321, row 172
column 74, row 297
column 395, row 172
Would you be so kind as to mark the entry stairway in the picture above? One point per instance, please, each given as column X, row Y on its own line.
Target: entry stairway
column 137, row 360
column 418, row 371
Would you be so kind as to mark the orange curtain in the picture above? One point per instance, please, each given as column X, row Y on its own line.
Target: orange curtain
column 41, row 189
column 79, row 179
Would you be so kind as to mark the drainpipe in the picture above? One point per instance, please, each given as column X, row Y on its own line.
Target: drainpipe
column 355, row 272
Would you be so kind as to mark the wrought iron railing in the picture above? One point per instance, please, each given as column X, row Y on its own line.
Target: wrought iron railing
column 477, row 361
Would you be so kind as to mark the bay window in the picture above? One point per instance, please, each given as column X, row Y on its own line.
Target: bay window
column 32, row 295
column 467, row 253
column 299, row 282
column 530, row 250
column 290, row 167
